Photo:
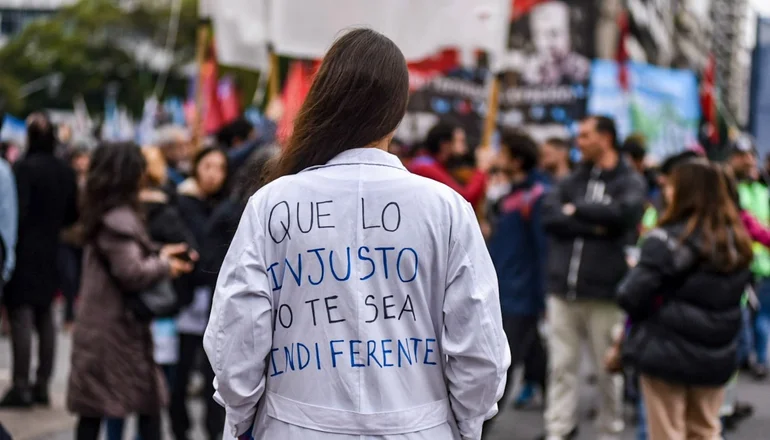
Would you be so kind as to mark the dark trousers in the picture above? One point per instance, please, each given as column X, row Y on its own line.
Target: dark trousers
column 526, row 348
column 189, row 347
column 115, row 426
column 89, row 427
column 70, row 265
column 24, row 321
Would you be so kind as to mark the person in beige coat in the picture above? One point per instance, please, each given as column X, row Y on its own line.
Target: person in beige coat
column 113, row 372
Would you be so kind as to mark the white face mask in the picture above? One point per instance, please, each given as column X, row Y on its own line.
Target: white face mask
column 498, row 191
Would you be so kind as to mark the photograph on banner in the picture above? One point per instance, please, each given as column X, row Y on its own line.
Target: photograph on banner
column 548, row 64
column 662, row 104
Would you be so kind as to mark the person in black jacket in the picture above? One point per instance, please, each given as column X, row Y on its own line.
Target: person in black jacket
column 198, row 198
column 590, row 218
column 684, row 301
column 47, row 194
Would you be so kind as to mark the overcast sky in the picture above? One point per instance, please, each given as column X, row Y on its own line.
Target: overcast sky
column 761, row 6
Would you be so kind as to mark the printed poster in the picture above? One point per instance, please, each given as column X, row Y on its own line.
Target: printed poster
column 662, row 104
column 548, row 65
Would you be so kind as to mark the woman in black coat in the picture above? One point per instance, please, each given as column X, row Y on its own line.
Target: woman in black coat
column 684, row 299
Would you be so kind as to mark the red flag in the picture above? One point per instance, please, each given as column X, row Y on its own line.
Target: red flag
column 212, row 108
column 294, row 92
column 622, row 52
column 708, row 100
column 423, row 71
column 229, row 102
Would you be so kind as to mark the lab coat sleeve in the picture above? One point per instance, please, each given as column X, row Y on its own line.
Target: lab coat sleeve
column 473, row 339
column 239, row 334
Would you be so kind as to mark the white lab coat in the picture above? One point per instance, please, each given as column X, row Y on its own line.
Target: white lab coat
column 357, row 301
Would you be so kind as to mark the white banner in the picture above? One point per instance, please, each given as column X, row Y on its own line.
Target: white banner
column 307, row 28
column 241, row 31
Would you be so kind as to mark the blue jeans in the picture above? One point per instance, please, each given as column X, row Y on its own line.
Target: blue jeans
column 641, row 414
column 762, row 322
column 762, row 334
column 115, row 426
column 746, row 338
column 115, row 429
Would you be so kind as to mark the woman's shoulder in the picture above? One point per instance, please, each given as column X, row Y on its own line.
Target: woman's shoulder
column 124, row 220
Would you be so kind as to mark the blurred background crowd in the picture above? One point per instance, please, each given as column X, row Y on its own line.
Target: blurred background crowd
column 573, row 128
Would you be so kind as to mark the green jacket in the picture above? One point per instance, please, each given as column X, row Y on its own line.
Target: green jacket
column 755, row 198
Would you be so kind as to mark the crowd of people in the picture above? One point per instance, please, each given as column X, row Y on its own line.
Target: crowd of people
column 94, row 225
column 659, row 274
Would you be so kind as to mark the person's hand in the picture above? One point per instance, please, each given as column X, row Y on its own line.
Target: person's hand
column 568, row 209
column 178, row 267
column 173, row 250
column 484, row 158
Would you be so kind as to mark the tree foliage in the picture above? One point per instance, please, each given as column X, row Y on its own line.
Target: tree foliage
column 97, row 45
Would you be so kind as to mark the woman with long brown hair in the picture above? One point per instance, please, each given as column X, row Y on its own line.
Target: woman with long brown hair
column 684, row 298
column 356, row 299
column 113, row 373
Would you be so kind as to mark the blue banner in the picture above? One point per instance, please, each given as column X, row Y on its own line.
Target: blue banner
column 760, row 88
column 14, row 130
column 662, row 104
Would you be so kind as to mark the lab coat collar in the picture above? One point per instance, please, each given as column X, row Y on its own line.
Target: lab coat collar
column 364, row 156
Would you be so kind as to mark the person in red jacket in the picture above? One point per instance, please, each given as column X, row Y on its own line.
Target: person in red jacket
column 443, row 142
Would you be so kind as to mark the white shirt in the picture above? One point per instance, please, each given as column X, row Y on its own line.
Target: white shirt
column 358, row 301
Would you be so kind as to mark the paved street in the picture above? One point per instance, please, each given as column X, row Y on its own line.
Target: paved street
column 56, row 424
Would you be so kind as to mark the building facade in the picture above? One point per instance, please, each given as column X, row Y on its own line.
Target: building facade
column 16, row 14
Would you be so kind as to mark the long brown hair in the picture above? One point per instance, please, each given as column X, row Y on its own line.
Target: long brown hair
column 702, row 201
column 113, row 180
column 358, row 97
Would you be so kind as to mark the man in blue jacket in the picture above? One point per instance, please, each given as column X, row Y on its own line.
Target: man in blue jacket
column 8, row 220
column 518, row 248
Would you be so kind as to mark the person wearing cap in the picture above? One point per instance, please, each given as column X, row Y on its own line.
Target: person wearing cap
column 754, row 197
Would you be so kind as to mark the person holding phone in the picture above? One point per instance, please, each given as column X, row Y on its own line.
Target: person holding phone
column 113, row 372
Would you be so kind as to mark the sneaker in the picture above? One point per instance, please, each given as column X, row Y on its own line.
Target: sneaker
column 759, row 371
column 743, row 410
column 40, row 395
column 17, row 398
column 571, row 436
column 525, row 397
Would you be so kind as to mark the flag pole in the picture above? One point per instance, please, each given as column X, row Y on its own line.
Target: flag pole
column 201, row 45
column 490, row 123
column 274, row 81
column 493, row 103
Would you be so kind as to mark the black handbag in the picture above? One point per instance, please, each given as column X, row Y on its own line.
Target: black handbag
column 157, row 301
